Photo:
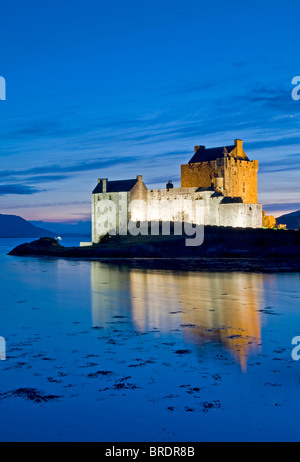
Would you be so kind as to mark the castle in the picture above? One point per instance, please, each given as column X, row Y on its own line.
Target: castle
column 227, row 168
column 222, row 178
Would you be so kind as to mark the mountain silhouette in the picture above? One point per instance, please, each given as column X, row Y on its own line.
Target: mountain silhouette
column 292, row 220
column 15, row 226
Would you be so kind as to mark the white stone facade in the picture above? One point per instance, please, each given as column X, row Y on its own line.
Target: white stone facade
column 140, row 204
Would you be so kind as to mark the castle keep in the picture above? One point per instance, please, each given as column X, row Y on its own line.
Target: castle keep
column 227, row 168
column 222, row 179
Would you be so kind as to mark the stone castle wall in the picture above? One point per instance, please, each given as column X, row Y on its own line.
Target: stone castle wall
column 198, row 174
column 179, row 204
column 268, row 221
column 174, row 205
column 231, row 202
column 239, row 177
column 232, row 173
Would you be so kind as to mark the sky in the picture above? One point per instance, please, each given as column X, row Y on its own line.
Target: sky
column 120, row 88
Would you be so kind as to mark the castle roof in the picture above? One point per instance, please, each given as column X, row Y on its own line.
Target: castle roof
column 115, row 186
column 206, row 155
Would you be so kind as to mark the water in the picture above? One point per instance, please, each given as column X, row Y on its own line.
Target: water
column 109, row 353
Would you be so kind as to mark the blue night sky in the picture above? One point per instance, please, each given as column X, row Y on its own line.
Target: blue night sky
column 120, row 88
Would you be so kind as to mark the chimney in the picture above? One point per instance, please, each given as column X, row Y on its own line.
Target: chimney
column 239, row 145
column 104, row 184
column 139, row 177
column 196, row 148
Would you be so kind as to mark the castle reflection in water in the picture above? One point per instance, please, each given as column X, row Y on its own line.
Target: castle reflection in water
column 221, row 308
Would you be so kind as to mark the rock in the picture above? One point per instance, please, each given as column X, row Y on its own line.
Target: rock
column 44, row 246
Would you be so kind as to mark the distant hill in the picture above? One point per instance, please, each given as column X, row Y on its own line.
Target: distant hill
column 79, row 229
column 14, row 226
column 292, row 220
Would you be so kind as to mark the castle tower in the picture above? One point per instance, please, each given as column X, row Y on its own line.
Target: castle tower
column 227, row 167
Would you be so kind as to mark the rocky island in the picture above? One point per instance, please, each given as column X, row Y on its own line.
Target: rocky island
column 223, row 249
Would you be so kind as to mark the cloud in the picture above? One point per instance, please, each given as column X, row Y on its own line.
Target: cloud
column 282, row 164
column 193, row 87
column 65, row 128
column 277, row 98
column 17, row 189
column 46, row 178
column 280, row 142
column 163, row 179
column 78, row 167
column 42, row 129
column 288, row 206
column 48, row 204
column 189, row 118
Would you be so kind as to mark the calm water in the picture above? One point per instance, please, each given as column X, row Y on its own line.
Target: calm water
column 99, row 352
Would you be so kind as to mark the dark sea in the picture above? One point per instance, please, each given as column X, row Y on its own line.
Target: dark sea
column 99, row 352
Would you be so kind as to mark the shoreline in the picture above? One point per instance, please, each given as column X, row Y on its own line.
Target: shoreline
column 210, row 265
column 223, row 250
